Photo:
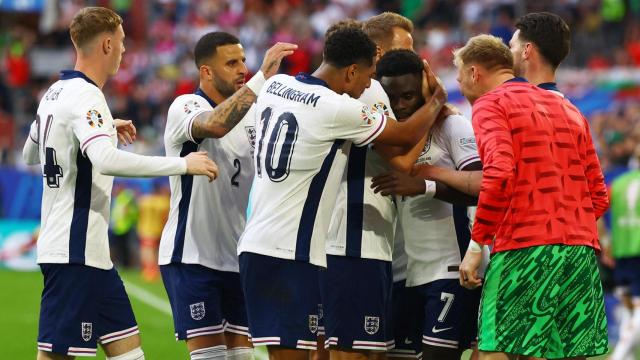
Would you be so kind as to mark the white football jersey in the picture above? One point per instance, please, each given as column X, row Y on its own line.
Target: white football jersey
column 436, row 234
column 301, row 124
column 76, row 199
column 363, row 223
column 206, row 218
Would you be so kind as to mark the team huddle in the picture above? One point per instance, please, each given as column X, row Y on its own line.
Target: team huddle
column 349, row 213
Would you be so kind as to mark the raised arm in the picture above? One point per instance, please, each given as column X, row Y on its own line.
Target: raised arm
column 224, row 117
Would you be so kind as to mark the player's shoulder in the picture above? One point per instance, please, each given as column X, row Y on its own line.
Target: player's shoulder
column 186, row 105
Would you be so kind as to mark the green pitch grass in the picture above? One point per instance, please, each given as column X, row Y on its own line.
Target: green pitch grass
column 20, row 303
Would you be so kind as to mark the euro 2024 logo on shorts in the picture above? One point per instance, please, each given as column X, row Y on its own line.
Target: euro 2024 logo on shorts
column 371, row 324
column 197, row 310
column 94, row 118
column 87, row 331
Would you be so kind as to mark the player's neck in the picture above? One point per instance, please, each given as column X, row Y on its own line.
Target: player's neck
column 93, row 72
column 539, row 74
column 330, row 75
column 499, row 78
column 211, row 92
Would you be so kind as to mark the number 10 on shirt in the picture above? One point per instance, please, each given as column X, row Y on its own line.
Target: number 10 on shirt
column 281, row 142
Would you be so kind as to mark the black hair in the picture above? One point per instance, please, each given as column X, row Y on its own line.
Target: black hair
column 399, row 62
column 549, row 33
column 209, row 43
column 348, row 45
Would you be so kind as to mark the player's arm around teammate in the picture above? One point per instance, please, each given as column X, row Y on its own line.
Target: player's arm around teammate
column 234, row 105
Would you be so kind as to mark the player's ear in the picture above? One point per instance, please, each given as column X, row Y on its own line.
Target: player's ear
column 205, row 72
column 475, row 74
column 526, row 51
column 351, row 72
column 378, row 53
column 106, row 45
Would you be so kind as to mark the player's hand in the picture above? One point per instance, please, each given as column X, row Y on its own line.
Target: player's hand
column 198, row 163
column 274, row 56
column 396, row 183
column 126, row 131
column 431, row 84
column 469, row 270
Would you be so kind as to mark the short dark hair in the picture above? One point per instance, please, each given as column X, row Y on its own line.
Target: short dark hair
column 209, row 43
column 549, row 33
column 399, row 62
column 346, row 23
column 348, row 45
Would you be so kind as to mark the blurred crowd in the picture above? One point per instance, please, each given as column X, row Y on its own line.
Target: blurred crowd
column 158, row 64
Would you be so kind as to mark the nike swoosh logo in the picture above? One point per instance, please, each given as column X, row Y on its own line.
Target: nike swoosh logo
column 407, row 341
column 435, row 331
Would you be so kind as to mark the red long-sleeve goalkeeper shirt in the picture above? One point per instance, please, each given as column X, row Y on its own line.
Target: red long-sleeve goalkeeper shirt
column 542, row 183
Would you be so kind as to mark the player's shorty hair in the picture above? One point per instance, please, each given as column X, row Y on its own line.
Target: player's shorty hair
column 346, row 23
column 209, row 43
column 485, row 50
column 380, row 27
column 91, row 21
column 347, row 46
column 549, row 33
column 398, row 63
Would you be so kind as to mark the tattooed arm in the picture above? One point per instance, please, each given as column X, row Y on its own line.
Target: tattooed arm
column 218, row 122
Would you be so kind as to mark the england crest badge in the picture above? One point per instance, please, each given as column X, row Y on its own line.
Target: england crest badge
column 87, row 331
column 371, row 324
column 313, row 323
column 197, row 310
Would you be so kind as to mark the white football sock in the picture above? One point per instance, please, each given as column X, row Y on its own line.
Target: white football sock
column 241, row 353
column 210, row 353
column 135, row 354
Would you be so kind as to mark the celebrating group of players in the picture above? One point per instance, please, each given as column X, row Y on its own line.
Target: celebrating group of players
column 340, row 217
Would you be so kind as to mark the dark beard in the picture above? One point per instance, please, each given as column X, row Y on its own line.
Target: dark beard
column 225, row 89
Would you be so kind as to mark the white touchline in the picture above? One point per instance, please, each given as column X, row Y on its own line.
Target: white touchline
column 148, row 298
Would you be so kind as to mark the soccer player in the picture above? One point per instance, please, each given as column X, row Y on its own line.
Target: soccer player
column 74, row 139
column 361, row 231
column 539, row 44
column 542, row 192
column 198, row 258
column 625, row 246
column 432, row 221
column 303, row 122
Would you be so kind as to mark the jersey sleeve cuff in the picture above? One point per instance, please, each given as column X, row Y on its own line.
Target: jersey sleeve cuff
column 378, row 130
column 92, row 139
column 468, row 161
column 189, row 125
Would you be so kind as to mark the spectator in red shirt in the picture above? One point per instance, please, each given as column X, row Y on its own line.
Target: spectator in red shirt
column 542, row 192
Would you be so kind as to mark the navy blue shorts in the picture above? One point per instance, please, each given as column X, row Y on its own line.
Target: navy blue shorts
column 449, row 313
column 356, row 297
column 204, row 301
column 81, row 306
column 407, row 324
column 627, row 274
column 282, row 301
